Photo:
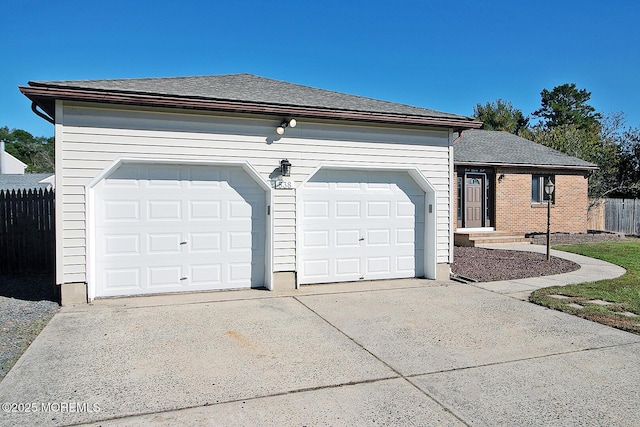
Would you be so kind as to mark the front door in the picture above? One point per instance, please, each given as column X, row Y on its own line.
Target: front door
column 473, row 200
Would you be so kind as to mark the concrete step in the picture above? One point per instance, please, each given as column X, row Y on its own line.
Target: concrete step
column 475, row 238
column 502, row 239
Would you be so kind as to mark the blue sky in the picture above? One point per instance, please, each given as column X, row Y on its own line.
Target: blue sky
column 442, row 55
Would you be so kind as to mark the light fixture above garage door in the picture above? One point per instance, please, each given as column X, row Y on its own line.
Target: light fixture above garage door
column 285, row 124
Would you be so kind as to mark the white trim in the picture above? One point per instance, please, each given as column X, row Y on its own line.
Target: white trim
column 58, row 141
column 453, row 216
column 475, row 230
column 485, row 197
column 430, row 229
column 246, row 166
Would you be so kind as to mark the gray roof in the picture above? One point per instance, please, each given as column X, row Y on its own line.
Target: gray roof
column 248, row 88
column 502, row 148
column 27, row 181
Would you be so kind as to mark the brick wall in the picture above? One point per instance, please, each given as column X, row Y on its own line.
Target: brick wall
column 516, row 213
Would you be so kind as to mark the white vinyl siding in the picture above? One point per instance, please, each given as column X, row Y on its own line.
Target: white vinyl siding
column 90, row 138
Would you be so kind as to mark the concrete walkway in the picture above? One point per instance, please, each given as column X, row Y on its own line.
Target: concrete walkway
column 591, row 270
column 397, row 352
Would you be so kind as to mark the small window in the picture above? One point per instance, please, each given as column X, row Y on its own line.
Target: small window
column 538, row 195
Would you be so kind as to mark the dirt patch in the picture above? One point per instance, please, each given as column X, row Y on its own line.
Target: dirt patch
column 488, row 265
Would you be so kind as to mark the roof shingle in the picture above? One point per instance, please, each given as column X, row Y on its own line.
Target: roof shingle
column 27, row 181
column 502, row 148
column 249, row 88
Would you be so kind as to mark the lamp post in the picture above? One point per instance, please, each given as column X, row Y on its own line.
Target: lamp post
column 548, row 188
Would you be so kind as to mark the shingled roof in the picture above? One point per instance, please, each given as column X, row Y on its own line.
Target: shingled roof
column 27, row 181
column 238, row 93
column 483, row 147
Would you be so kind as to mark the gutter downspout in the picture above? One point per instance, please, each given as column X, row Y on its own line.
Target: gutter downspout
column 459, row 137
column 34, row 108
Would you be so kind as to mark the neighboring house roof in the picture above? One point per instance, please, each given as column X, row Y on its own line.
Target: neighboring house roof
column 11, row 165
column 484, row 147
column 239, row 93
column 28, row 181
column 8, row 163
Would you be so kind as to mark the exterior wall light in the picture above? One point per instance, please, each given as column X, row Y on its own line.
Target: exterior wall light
column 549, row 187
column 285, row 124
column 285, row 167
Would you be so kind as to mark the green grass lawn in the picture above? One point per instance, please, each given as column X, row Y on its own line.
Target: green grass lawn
column 623, row 292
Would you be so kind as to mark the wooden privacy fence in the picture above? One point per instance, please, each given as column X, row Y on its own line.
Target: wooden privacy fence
column 615, row 215
column 27, row 231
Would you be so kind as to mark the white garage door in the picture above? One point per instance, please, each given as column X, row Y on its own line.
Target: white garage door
column 175, row 228
column 361, row 225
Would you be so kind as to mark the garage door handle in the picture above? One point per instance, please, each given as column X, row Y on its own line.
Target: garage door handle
column 183, row 243
column 361, row 239
column 183, row 278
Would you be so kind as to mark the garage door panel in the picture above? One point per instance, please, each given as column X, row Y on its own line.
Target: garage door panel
column 121, row 244
column 347, row 210
column 377, row 265
column 239, row 272
column 241, row 241
column 122, row 279
column 166, row 276
column 121, row 210
column 206, row 275
column 379, row 237
column 313, row 209
column 405, row 210
column 202, row 210
column 203, row 177
column 209, row 243
column 348, row 268
column 164, row 243
column 318, row 268
column 347, row 238
column 347, row 185
column 361, row 224
column 164, row 210
column 405, row 236
column 170, row 234
column 405, row 264
column 165, row 176
column 379, row 209
column 318, row 239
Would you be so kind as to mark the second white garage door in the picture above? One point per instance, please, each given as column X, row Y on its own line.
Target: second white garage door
column 361, row 225
column 175, row 228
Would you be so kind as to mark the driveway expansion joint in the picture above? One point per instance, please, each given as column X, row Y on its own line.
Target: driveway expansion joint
column 524, row 359
column 398, row 373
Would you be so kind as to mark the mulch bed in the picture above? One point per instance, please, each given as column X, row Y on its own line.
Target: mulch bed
column 488, row 265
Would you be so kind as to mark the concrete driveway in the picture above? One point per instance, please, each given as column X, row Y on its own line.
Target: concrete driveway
column 409, row 352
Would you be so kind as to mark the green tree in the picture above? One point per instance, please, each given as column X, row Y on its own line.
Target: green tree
column 567, row 105
column 36, row 152
column 628, row 177
column 614, row 148
column 501, row 115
